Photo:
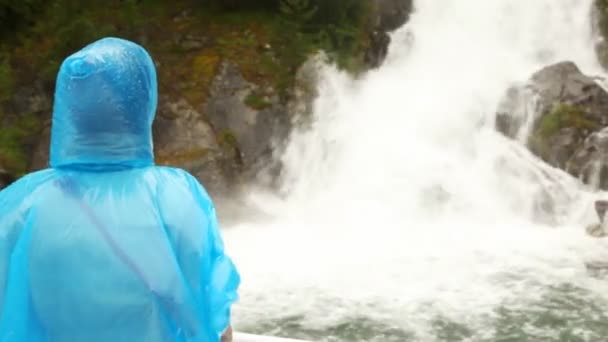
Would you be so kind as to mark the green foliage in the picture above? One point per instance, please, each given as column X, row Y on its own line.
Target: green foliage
column 298, row 12
column 74, row 35
column 13, row 156
column 74, row 24
column 17, row 13
column 338, row 28
column 335, row 26
column 6, row 78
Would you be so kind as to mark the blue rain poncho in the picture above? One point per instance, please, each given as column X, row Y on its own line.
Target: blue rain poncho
column 105, row 246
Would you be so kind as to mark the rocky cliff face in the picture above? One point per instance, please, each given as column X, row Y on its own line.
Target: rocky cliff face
column 219, row 117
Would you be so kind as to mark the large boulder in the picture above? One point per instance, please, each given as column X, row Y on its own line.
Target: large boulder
column 565, row 83
column 557, row 111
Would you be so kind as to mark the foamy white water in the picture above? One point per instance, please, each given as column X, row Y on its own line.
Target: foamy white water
column 403, row 215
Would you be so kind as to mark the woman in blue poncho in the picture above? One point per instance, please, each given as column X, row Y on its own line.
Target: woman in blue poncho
column 104, row 245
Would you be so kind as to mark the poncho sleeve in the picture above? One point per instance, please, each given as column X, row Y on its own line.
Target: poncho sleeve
column 223, row 279
column 192, row 224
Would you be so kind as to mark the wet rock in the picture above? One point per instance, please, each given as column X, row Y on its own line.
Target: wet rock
column 596, row 230
column 388, row 16
column 599, row 20
column 305, row 90
column 564, row 83
column 597, row 268
column 590, row 161
column 375, row 55
column 599, row 230
column 600, row 209
column 515, row 109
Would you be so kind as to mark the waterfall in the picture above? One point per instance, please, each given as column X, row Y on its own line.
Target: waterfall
column 403, row 215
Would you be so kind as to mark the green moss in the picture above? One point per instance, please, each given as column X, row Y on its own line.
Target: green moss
column 549, row 125
column 228, row 138
column 562, row 116
column 257, row 101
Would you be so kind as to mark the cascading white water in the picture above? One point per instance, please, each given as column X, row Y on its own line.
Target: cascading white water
column 404, row 216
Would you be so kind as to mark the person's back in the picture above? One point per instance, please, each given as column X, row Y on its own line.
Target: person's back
column 105, row 246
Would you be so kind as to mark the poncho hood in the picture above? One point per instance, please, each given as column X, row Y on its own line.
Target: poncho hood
column 105, row 102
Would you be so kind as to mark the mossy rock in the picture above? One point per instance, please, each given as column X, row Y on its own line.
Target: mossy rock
column 559, row 133
column 562, row 116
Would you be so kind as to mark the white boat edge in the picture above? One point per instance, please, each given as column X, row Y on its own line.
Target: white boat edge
column 242, row 337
